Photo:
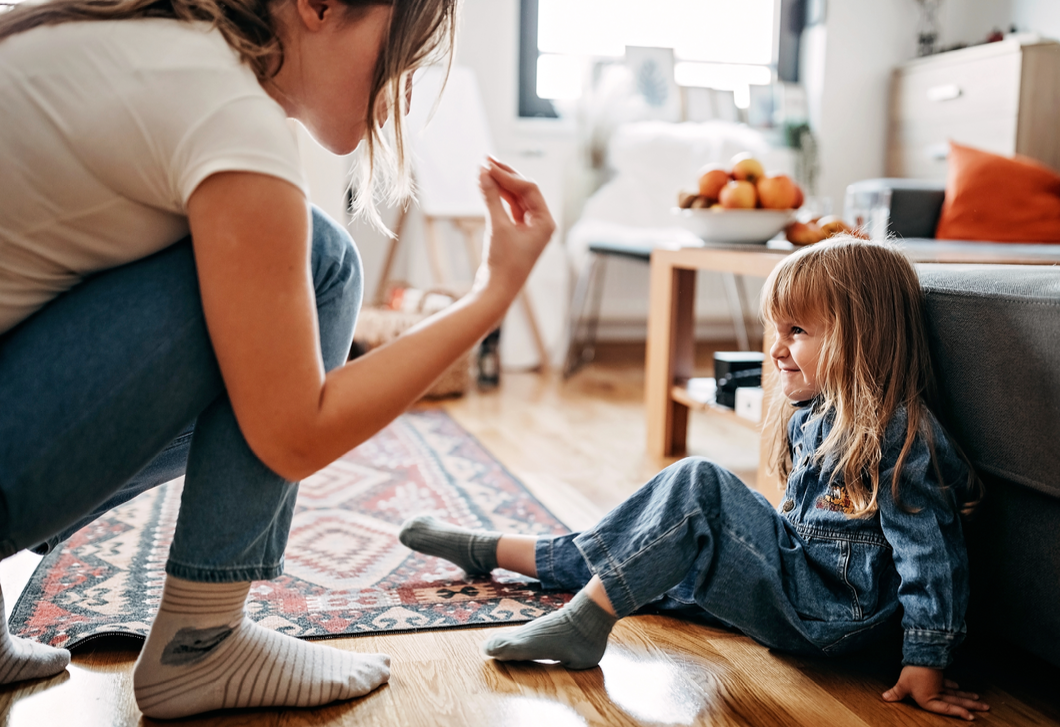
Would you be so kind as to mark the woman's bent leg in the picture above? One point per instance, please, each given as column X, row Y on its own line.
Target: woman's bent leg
column 93, row 387
column 168, row 465
column 235, row 513
column 203, row 653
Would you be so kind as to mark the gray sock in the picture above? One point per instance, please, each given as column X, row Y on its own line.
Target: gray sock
column 473, row 550
column 575, row 636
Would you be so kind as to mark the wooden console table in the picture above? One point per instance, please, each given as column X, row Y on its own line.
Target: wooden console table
column 671, row 317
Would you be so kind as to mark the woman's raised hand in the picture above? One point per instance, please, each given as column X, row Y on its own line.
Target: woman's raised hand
column 514, row 240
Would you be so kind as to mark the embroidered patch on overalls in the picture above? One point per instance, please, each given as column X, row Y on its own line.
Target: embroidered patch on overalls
column 836, row 500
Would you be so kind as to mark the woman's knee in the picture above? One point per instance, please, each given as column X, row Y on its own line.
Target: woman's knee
column 337, row 269
column 339, row 282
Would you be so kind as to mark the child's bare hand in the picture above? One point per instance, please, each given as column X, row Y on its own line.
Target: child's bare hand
column 928, row 689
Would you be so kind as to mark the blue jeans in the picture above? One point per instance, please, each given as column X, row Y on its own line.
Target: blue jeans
column 695, row 541
column 113, row 388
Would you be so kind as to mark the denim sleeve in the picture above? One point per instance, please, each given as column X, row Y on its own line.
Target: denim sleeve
column 924, row 530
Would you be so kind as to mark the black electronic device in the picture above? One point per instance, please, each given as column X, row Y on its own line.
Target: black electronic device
column 733, row 369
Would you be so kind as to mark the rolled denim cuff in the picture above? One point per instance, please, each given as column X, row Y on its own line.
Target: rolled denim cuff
column 606, row 568
column 932, row 649
column 543, row 561
column 236, row 574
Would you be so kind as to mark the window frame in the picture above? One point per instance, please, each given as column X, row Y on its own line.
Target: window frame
column 531, row 106
column 792, row 21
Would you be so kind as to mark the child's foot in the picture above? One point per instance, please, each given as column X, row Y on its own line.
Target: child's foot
column 473, row 550
column 22, row 659
column 575, row 636
column 203, row 654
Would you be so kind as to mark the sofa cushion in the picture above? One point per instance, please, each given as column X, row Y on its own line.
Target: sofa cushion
column 998, row 199
column 995, row 333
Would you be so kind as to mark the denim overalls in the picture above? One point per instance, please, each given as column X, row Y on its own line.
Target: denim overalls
column 806, row 577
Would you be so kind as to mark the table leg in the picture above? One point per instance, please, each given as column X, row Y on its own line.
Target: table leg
column 671, row 353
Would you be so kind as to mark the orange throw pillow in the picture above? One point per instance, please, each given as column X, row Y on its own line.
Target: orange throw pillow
column 994, row 198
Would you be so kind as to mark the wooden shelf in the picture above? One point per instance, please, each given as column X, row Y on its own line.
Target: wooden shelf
column 679, row 393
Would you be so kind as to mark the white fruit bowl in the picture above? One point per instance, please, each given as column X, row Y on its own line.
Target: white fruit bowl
column 737, row 227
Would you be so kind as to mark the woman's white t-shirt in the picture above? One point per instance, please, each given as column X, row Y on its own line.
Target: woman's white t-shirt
column 106, row 129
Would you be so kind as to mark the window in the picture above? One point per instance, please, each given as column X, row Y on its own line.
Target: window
column 721, row 44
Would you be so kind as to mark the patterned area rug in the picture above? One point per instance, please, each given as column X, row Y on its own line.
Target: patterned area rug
column 346, row 572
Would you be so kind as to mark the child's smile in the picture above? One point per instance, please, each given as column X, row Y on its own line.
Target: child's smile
column 795, row 353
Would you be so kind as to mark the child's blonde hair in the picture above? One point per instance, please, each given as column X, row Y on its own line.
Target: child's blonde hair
column 874, row 358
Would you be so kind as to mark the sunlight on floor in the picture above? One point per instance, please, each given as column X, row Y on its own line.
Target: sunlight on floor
column 40, row 707
column 650, row 689
column 534, row 712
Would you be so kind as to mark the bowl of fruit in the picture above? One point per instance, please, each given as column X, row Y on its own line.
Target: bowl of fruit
column 740, row 204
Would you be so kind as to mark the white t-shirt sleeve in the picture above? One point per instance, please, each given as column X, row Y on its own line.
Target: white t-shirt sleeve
column 245, row 134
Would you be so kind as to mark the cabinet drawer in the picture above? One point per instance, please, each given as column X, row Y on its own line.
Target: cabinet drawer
column 952, row 90
column 918, row 148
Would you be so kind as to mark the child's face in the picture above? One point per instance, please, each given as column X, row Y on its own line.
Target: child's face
column 795, row 353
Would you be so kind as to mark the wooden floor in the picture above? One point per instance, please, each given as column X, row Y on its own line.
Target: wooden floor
column 579, row 446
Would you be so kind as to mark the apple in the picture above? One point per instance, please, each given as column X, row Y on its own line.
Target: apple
column 745, row 168
column 701, row 203
column 799, row 198
column 711, row 179
column 777, row 193
column 738, row 195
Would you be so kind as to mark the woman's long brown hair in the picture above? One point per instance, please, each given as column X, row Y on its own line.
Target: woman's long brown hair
column 875, row 358
column 421, row 32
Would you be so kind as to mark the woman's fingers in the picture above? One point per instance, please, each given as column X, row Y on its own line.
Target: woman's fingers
column 491, row 193
column 529, row 195
column 518, row 211
column 501, row 164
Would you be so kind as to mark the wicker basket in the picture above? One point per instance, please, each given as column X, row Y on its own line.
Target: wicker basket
column 377, row 325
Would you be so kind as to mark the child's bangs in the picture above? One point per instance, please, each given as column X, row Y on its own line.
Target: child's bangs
column 794, row 293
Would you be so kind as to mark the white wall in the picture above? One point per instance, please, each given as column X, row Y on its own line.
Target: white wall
column 847, row 63
column 1039, row 16
column 846, row 67
column 489, row 44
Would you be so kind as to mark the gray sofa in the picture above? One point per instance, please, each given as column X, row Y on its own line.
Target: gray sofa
column 995, row 335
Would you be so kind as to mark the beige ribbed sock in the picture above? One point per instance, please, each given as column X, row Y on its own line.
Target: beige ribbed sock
column 203, row 654
column 22, row 659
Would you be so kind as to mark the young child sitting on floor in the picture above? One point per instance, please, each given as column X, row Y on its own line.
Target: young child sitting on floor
column 869, row 531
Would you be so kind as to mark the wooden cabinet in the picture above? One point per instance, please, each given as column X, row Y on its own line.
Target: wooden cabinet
column 1001, row 97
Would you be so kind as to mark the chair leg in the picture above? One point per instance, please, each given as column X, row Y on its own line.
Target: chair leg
column 736, row 309
column 576, row 329
column 594, row 315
